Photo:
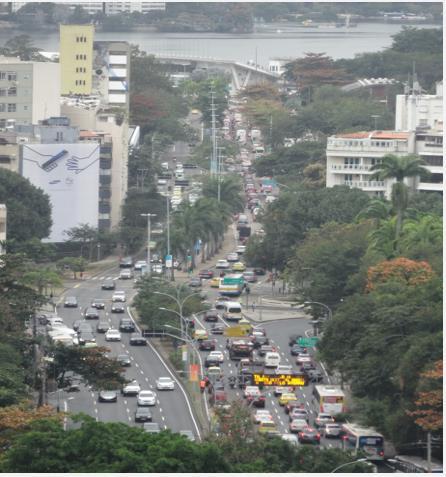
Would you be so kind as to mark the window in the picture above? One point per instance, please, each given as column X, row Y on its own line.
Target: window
column 12, row 107
column 26, row 77
column 25, row 108
column 3, row 92
column 59, row 136
column 375, row 160
column 348, row 177
column 12, row 91
column 12, row 76
column 2, row 107
column 2, row 123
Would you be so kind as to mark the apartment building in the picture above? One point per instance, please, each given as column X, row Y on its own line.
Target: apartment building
column 3, row 217
column 29, row 91
column 76, row 58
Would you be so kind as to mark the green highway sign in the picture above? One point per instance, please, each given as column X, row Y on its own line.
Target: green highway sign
column 308, row 342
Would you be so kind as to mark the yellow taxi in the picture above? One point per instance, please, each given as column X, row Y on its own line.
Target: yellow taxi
column 268, row 427
column 286, row 397
column 238, row 267
column 214, row 282
column 201, row 334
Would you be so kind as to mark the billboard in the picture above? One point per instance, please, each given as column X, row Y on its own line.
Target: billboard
column 69, row 174
column 279, row 379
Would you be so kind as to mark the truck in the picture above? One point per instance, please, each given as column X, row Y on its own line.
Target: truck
column 244, row 231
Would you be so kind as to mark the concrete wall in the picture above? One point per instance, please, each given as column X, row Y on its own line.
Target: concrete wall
column 45, row 91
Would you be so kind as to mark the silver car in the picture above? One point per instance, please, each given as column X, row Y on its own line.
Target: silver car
column 332, row 430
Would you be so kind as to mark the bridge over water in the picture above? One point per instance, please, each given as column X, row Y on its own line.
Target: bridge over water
column 242, row 74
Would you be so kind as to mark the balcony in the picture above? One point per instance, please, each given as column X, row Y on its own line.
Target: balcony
column 350, row 167
column 430, row 186
column 365, row 146
column 366, row 185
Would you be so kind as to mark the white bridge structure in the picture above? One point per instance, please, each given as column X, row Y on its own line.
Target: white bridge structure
column 242, row 74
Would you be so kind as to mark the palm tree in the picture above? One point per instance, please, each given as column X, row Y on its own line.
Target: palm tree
column 383, row 240
column 376, row 209
column 230, row 191
column 425, row 231
column 399, row 168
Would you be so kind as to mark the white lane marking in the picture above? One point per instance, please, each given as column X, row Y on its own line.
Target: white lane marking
column 147, row 379
column 151, row 386
column 163, row 418
column 158, row 402
column 303, row 394
column 137, row 365
column 165, row 427
column 92, row 395
column 311, row 412
column 230, row 371
column 308, row 404
column 128, row 410
column 161, row 409
column 237, row 393
column 125, row 401
column 330, row 445
column 229, row 364
column 141, row 371
column 95, row 410
column 325, row 371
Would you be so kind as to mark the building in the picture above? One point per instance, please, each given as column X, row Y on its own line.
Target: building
column 76, row 59
column 3, row 217
column 114, row 8
column 29, row 91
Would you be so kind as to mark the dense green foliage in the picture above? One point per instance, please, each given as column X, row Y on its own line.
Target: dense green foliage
column 118, row 448
column 28, row 207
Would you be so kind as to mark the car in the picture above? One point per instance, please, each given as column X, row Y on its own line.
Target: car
column 112, row 335
column 108, row 285
column 266, row 349
column 293, row 404
column 207, row 345
column 214, row 282
column 188, row 434
column 303, row 358
column 259, row 271
column 98, row 303
column 296, row 350
column 131, row 389
column 297, row 425
column 222, row 264
column 285, row 397
column 70, row 302
column 218, row 354
column 332, row 429
column 189, row 323
column 217, row 329
column 232, row 257
column 143, row 414
column 84, row 327
column 284, row 369
column 107, row 396
column 206, row 274
column 77, row 323
column 118, row 296
column 126, row 325
column 293, row 339
column 201, row 334
column 262, row 414
column 117, row 308
column 211, row 315
column 125, row 275
column 91, row 314
column 211, row 361
column 249, row 276
column 298, row 413
column 307, row 367
column 140, row 264
column 221, row 302
column 279, row 390
column 240, row 249
column 309, row 436
column 291, row 438
column 165, row 384
column 238, row 267
column 259, row 341
column 126, row 262
column 268, row 428
column 124, row 360
column 151, row 427
column 195, row 282
column 102, row 327
column 86, row 337
column 137, row 340
column 322, row 419
column 315, row 376
column 215, row 373
column 146, row 398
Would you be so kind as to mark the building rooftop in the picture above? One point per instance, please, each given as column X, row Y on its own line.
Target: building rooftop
column 374, row 135
column 369, row 83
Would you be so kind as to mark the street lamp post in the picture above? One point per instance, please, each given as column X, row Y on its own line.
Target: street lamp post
column 330, row 313
column 99, row 251
column 347, row 463
column 149, row 266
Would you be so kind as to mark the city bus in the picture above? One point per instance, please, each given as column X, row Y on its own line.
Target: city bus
column 330, row 399
column 232, row 285
column 364, row 439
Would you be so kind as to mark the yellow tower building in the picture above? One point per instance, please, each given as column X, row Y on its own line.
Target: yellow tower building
column 76, row 58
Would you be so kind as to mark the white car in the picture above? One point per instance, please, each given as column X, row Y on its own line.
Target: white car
column 146, row 398
column 217, row 354
column 165, row 383
column 291, row 438
column 131, row 389
column 112, row 335
column 223, row 264
column 240, row 249
column 125, row 275
column 262, row 415
column 284, row 369
column 140, row 264
column 232, row 257
column 118, row 296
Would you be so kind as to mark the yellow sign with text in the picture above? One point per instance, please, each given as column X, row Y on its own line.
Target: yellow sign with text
column 278, row 379
column 238, row 330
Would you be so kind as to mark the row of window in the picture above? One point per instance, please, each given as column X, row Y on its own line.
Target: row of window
column 9, row 107
column 81, row 56
column 8, row 75
column 8, row 91
column 81, row 39
column 81, row 69
column 80, row 82
column 356, row 160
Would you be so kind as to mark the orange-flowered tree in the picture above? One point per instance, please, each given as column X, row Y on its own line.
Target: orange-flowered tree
column 429, row 402
column 410, row 272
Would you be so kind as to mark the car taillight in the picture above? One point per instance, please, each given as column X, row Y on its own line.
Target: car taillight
column 381, row 453
column 318, row 436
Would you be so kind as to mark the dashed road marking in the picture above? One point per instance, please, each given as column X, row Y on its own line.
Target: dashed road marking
column 125, row 401
column 163, row 418
column 147, row 379
column 95, row 410
column 151, row 386
column 141, row 371
column 308, row 404
column 137, row 365
column 161, row 409
column 128, row 411
column 158, row 402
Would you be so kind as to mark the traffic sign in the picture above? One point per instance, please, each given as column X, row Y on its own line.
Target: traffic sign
column 308, row 342
column 168, row 261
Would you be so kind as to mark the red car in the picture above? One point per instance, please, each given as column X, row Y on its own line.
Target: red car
column 206, row 274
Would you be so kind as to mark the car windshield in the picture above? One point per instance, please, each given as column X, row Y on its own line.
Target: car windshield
column 164, row 380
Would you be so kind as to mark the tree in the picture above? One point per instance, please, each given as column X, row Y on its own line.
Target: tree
column 75, row 264
column 411, row 39
column 84, row 234
column 399, row 168
column 12, row 375
column 29, row 209
column 230, row 191
column 21, row 46
column 42, row 278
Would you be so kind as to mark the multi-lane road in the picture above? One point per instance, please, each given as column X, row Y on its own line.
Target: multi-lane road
column 172, row 410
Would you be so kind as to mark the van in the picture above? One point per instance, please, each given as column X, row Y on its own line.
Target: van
column 232, row 311
column 272, row 359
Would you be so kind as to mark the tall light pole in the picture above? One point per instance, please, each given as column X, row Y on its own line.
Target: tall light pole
column 330, row 313
column 149, row 266
column 172, row 278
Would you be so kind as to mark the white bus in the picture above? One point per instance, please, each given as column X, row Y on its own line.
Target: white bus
column 364, row 439
column 330, row 399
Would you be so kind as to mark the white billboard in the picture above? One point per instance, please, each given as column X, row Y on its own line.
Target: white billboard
column 69, row 174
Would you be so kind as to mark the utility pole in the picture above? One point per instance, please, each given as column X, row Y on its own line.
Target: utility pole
column 172, row 278
column 149, row 232
column 219, row 171
column 213, row 168
column 429, row 451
